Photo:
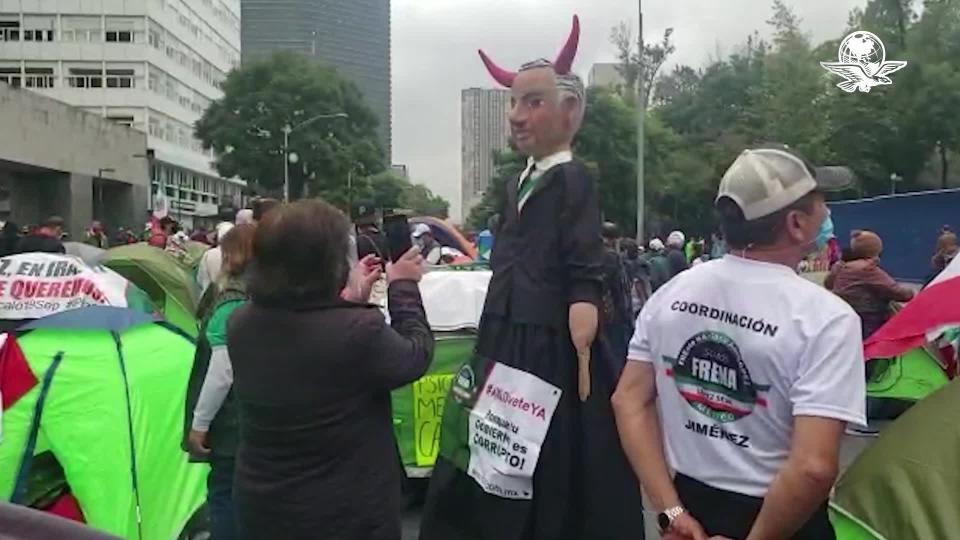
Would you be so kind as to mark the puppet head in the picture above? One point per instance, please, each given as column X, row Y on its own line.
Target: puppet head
column 548, row 100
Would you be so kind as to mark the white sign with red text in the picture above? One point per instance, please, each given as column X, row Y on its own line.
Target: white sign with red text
column 508, row 425
column 34, row 285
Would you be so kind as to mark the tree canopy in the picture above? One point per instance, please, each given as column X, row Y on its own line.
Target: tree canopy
column 339, row 158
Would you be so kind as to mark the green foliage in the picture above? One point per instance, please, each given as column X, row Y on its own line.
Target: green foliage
column 245, row 127
column 388, row 191
column 508, row 165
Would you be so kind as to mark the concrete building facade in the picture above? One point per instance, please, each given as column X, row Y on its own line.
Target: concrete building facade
column 485, row 130
column 351, row 35
column 153, row 65
column 60, row 160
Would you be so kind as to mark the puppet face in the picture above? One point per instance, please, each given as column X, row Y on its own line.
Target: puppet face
column 539, row 116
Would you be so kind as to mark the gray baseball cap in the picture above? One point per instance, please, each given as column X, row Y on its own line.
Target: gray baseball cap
column 766, row 179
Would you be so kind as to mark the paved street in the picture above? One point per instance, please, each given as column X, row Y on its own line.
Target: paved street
column 852, row 446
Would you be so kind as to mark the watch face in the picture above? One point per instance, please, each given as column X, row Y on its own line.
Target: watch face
column 663, row 520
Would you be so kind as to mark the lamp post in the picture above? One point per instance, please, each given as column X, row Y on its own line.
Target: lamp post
column 100, row 172
column 287, row 130
column 641, row 118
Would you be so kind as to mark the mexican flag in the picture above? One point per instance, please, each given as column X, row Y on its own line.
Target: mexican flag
column 932, row 316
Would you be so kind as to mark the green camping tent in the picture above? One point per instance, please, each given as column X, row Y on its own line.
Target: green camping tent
column 894, row 384
column 905, row 486
column 172, row 288
column 107, row 417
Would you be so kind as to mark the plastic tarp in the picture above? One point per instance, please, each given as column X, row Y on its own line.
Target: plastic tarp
column 905, row 486
column 454, row 300
column 36, row 285
column 85, row 423
column 418, row 408
column 165, row 279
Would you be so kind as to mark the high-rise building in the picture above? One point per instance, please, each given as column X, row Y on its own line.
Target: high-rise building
column 153, row 65
column 485, row 129
column 350, row 35
column 605, row 74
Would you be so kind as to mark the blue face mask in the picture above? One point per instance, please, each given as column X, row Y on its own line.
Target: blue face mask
column 825, row 233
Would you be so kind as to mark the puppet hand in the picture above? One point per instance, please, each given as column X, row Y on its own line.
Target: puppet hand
column 583, row 330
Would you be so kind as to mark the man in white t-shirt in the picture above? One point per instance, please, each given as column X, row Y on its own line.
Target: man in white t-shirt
column 743, row 375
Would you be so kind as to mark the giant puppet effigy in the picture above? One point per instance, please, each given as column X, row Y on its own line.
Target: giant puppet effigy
column 529, row 447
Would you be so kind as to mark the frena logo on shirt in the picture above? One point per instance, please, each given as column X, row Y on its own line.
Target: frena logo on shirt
column 711, row 376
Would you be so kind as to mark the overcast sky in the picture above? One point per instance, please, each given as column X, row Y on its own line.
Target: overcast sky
column 435, row 43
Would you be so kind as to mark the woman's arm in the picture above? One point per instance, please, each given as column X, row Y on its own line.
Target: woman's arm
column 216, row 386
column 888, row 288
column 400, row 353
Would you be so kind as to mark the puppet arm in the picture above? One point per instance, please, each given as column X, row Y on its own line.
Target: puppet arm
column 582, row 249
column 584, row 320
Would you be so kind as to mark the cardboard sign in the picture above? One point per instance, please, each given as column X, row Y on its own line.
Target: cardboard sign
column 34, row 285
column 429, row 394
column 507, row 428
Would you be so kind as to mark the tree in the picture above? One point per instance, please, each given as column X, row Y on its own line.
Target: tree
column 507, row 164
column 245, row 127
column 389, row 191
column 653, row 56
column 421, row 200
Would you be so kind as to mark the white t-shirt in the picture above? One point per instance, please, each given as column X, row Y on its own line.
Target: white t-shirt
column 740, row 347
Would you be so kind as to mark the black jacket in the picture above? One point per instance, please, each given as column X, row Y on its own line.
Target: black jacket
column 550, row 255
column 317, row 456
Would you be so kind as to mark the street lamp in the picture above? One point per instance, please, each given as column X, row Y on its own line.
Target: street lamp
column 641, row 119
column 287, row 130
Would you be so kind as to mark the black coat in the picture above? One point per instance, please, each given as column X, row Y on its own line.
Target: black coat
column 550, row 255
column 317, row 456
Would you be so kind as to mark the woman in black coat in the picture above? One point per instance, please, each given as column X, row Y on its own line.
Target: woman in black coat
column 313, row 370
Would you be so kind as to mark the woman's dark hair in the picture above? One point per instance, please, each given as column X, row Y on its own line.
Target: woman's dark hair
column 237, row 249
column 764, row 231
column 262, row 207
column 298, row 253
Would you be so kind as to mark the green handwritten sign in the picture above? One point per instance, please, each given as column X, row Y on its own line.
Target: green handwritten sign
column 429, row 394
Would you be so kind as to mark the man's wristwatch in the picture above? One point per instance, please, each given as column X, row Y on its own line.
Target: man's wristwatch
column 666, row 518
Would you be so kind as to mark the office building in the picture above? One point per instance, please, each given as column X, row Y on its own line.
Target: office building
column 60, row 160
column 605, row 74
column 154, row 65
column 485, row 130
column 351, row 35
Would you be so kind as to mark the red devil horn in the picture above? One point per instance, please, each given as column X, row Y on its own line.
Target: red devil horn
column 501, row 75
column 565, row 59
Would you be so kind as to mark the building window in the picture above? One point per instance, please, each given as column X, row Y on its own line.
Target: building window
column 9, row 30
column 11, row 76
column 38, row 28
column 81, row 29
column 154, row 82
column 85, row 78
column 119, row 36
column 122, row 120
column 39, row 77
column 154, row 127
column 120, row 78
